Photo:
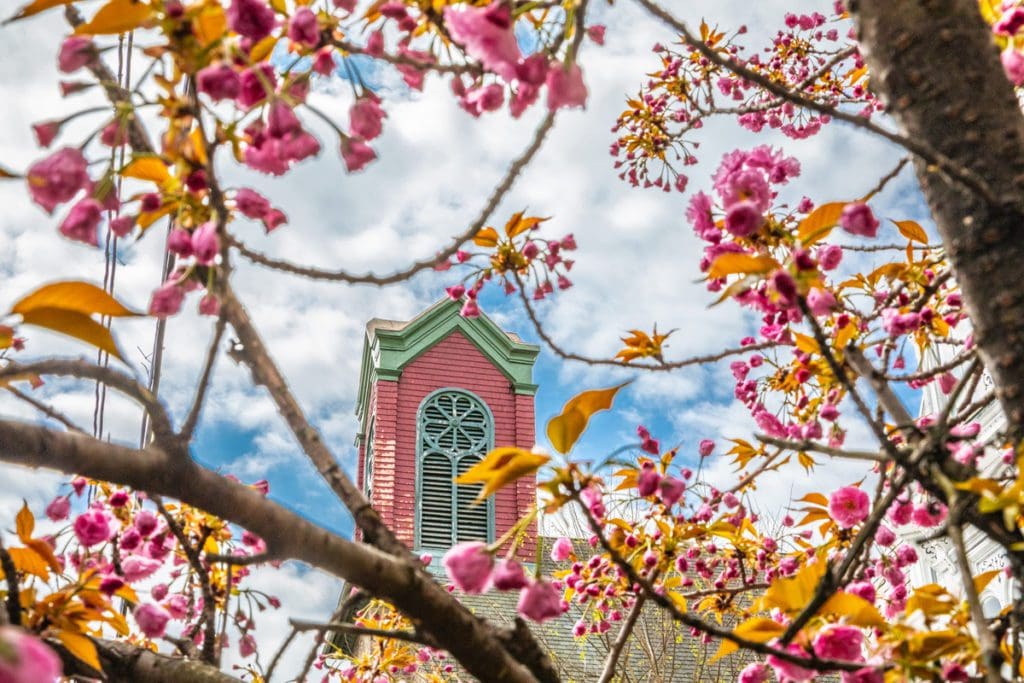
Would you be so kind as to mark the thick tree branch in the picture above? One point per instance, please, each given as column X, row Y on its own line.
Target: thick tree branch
column 911, row 48
column 470, row 639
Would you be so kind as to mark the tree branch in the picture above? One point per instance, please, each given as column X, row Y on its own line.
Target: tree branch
column 468, row 638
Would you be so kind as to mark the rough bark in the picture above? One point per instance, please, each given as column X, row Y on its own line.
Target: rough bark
column 126, row 663
column 936, row 66
column 475, row 643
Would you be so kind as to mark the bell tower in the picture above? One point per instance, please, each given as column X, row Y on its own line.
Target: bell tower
column 436, row 393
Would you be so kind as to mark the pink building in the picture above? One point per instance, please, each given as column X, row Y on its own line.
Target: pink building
column 436, row 393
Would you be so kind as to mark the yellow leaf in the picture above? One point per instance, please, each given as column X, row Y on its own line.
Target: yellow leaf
column 262, row 49
column 487, row 237
column 984, row 579
column 210, row 25
column 146, row 167
column 793, row 594
column 117, row 16
column 74, row 324
column 80, row 297
column 28, row 561
column 501, row 467
column 81, row 647
column 760, row 629
column 25, row 522
column 36, row 7
column 932, row 599
column 806, row 343
column 279, row 6
column 819, row 222
column 733, row 263
column 726, row 648
column 566, row 428
column 148, row 218
column 856, row 609
column 912, row 230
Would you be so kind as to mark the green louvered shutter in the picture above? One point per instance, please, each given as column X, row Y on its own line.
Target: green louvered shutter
column 455, row 432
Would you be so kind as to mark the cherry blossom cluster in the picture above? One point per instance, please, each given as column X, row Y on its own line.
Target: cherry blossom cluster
column 812, row 55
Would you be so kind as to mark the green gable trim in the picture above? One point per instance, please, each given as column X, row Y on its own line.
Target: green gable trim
column 387, row 351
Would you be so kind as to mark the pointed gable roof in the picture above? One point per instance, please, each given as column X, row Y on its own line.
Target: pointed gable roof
column 390, row 345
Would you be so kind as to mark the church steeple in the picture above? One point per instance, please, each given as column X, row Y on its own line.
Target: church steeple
column 436, row 394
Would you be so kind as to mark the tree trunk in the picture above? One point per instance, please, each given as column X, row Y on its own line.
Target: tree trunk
column 936, row 66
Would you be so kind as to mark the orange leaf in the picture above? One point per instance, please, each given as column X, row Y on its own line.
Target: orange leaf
column 502, row 466
column 80, row 297
column 565, row 429
column 487, row 237
column 912, row 230
column 81, row 647
column 146, row 167
column 28, row 561
column 25, row 523
column 819, row 222
column 36, row 7
column 262, row 49
column 43, row 550
column 74, row 324
column 117, row 16
column 517, row 225
column 210, row 25
column 733, row 263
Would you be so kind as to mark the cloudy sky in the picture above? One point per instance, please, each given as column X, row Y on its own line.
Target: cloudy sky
column 636, row 265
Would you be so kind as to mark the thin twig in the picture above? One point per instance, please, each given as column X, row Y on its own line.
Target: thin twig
column 343, row 627
column 46, row 409
column 204, row 379
column 963, row 175
column 620, row 640
column 497, row 195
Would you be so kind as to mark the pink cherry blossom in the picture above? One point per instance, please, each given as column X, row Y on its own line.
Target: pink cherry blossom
column 671, row 490
column 58, row 509
column 705, row 447
column 46, row 131
column 365, row 118
column 122, row 225
column 565, row 87
column 303, row 28
column 743, row 219
column 251, row 18
column 256, row 84
column 145, row 522
column 24, row 658
column 509, row 575
column 1013, row 64
column 179, row 242
column 356, row 154
column 540, row 601
column 209, row 305
column 596, row 33
column 152, row 619
column 487, row 34
column 754, row 672
column 561, row 550
column 929, row 515
column 205, row 243
column 788, row 672
column 830, row 256
column 841, row 642
column 220, row 81
column 820, row 301
column 858, row 219
column 166, row 300
column 849, row 506
column 57, row 178
column 469, row 566
column 136, row 568
column 75, row 52
column 93, row 527
column 247, row 645
column 862, row 589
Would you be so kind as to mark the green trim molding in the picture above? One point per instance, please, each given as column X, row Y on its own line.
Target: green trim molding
column 390, row 345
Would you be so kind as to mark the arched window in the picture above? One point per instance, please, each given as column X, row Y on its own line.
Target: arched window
column 368, row 464
column 455, row 431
